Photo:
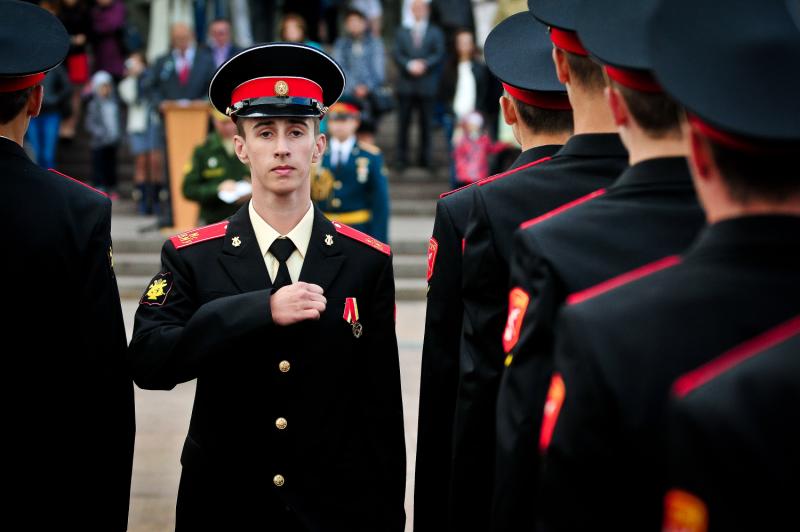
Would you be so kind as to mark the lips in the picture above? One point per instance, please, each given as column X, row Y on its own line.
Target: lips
column 283, row 170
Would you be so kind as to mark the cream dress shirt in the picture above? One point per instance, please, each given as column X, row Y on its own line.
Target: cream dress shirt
column 300, row 235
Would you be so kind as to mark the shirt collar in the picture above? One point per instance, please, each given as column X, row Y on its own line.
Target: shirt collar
column 347, row 145
column 300, row 235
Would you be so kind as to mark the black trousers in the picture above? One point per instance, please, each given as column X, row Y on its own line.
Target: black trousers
column 424, row 105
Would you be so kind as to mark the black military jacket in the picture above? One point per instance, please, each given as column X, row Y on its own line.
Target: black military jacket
column 585, row 163
column 650, row 212
column 293, row 428
column 618, row 353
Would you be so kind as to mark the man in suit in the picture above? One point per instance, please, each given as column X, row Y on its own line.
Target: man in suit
column 68, row 400
column 590, row 160
column 543, row 131
column 620, row 346
column 350, row 184
column 185, row 72
column 649, row 212
column 220, row 42
column 418, row 52
column 733, row 437
column 286, row 320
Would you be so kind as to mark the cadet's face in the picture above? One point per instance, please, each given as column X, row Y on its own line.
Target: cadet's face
column 280, row 152
column 342, row 128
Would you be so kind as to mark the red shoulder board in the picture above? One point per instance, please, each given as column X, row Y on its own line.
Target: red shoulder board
column 449, row 192
column 77, row 181
column 364, row 238
column 565, row 207
column 736, row 356
column 512, row 171
column 201, row 234
column 625, row 278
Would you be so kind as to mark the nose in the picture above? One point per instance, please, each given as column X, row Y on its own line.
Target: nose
column 281, row 146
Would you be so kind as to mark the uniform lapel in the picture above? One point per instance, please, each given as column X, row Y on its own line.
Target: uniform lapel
column 322, row 261
column 241, row 257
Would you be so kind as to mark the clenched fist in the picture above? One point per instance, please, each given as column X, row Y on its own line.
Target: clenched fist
column 297, row 302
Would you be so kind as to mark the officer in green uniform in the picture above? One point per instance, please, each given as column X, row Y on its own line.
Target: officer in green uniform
column 350, row 184
column 215, row 168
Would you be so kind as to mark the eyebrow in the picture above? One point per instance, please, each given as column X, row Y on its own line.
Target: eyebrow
column 296, row 121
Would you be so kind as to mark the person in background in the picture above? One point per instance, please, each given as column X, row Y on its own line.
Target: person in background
column 144, row 134
column 361, row 56
column 350, row 184
column 43, row 129
column 75, row 17
column 107, row 23
column 215, row 168
column 418, row 53
column 219, row 41
column 293, row 29
column 103, row 124
column 186, row 71
column 373, row 10
column 472, row 150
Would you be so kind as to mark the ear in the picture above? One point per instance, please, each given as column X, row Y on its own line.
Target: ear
column 562, row 66
column 618, row 106
column 240, row 149
column 700, row 158
column 35, row 101
column 319, row 148
column 509, row 110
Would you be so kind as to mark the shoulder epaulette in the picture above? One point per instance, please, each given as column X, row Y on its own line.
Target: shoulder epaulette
column 200, row 234
column 728, row 360
column 364, row 238
column 623, row 279
column 512, row 171
column 563, row 208
column 369, row 148
column 449, row 192
column 79, row 182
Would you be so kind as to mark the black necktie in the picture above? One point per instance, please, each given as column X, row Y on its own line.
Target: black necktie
column 282, row 249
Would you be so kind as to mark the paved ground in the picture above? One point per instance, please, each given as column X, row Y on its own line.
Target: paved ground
column 163, row 418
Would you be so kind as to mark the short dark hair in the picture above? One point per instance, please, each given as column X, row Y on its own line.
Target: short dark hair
column 11, row 103
column 543, row 120
column 656, row 112
column 241, row 132
column 757, row 176
column 585, row 71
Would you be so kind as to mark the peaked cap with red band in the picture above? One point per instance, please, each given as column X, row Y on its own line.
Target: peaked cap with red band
column 735, row 67
column 277, row 79
column 614, row 32
column 518, row 52
column 33, row 42
column 559, row 16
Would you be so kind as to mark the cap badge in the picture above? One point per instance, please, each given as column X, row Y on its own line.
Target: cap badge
column 281, row 88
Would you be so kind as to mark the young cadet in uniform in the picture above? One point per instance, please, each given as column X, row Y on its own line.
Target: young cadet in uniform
column 286, row 320
column 734, row 437
column 618, row 352
column 589, row 161
column 68, row 400
column 650, row 212
column 215, row 168
column 541, row 131
column 350, row 185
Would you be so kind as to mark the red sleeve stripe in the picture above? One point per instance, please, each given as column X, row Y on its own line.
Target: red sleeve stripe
column 77, row 181
column 565, row 207
column 625, row 278
column 735, row 356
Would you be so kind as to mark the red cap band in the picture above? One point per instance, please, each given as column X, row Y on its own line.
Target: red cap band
column 739, row 142
column 557, row 101
column 343, row 108
column 567, row 40
column 19, row 83
column 639, row 80
column 267, row 87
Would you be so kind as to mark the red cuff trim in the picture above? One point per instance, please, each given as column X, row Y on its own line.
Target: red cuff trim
column 639, row 80
column 558, row 100
column 290, row 87
column 20, row 82
column 568, row 41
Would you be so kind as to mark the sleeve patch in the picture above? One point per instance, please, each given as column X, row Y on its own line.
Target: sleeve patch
column 684, row 512
column 552, row 408
column 518, row 300
column 433, row 249
column 158, row 290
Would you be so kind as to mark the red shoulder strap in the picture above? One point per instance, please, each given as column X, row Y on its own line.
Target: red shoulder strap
column 563, row 208
column 364, row 238
column 77, row 181
column 200, row 234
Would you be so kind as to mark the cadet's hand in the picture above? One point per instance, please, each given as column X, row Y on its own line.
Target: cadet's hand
column 297, row 302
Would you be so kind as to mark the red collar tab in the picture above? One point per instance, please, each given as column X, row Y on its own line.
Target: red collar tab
column 20, row 82
column 740, row 142
column 269, row 86
column 567, row 40
column 558, row 101
column 639, row 80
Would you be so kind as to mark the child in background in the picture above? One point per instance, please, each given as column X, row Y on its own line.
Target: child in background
column 103, row 125
column 473, row 147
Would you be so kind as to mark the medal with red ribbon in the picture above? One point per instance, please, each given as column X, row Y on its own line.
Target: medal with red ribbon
column 351, row 316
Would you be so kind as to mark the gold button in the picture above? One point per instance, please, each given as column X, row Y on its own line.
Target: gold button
column 336, row 202
column 284, row 366
column 337, row 185
column 278, row 480
column 281, row 423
